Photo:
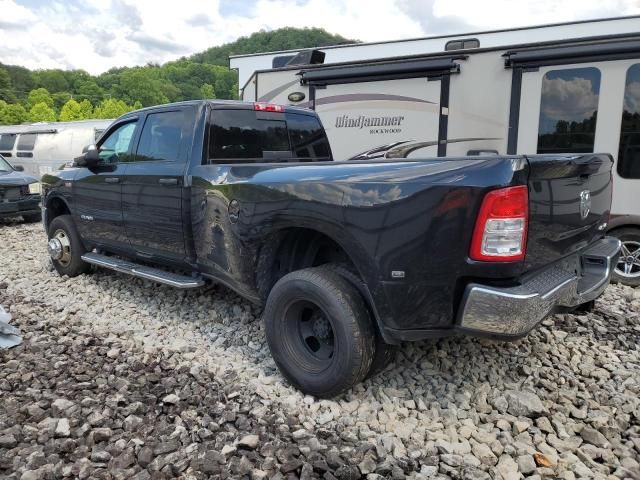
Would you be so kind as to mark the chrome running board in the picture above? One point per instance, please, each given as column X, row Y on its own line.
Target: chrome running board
column 141, row 271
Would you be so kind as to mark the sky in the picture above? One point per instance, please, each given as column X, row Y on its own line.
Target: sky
column 96, row 35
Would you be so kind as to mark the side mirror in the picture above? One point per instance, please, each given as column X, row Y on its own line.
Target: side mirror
column 18, row 168
column 90, row 159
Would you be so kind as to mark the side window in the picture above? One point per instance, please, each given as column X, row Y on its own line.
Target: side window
column 308, row 140
column 7, row 141
column 629, row 153
column 244, row 136
column 116, row 147
column 26, row 144
column 568, row 110
column 165, row 136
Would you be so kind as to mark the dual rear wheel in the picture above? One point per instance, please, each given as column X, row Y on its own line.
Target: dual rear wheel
column 320, row 332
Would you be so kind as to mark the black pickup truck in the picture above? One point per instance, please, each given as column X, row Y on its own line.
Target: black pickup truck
column 347, row 257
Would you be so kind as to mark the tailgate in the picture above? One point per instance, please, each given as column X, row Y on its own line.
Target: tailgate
column 569, row 203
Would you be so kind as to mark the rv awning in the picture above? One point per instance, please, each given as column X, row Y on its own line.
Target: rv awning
column 614, row 50
column 380, row 70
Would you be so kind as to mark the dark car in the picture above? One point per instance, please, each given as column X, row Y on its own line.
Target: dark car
column 19, row 193
column 347, row 257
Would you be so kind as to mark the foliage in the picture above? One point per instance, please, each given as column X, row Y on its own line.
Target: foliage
column 40, row 95
column 41, row 112
column 12, row 114
column 112, row 108
column 207, row 91
column 72, row 94
column 73, row 110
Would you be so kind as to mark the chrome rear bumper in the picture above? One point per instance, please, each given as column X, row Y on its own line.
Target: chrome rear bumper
column 514, row 311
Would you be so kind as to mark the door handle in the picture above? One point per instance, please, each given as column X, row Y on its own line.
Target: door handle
column 111, row 180
column 168, row 181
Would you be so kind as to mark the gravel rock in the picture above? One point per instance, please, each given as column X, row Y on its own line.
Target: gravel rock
column 524, row 404
column 157, row 383
column 63, row 429
column 526, row 464
column 249, row 441
column 594, row 437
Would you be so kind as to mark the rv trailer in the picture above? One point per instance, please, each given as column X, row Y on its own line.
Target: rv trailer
column 563, row 88
column 43, row 147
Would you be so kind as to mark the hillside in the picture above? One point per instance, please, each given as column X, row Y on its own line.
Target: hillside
column 55, row 94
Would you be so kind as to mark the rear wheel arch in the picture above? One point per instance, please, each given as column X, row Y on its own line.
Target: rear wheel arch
column 292, row 249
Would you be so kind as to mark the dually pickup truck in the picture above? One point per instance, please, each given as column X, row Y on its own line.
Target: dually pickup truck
column 348, row 257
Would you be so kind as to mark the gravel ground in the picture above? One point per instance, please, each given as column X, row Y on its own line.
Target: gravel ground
column 122, row 378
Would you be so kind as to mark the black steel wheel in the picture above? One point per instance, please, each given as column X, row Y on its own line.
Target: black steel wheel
column 319, row 331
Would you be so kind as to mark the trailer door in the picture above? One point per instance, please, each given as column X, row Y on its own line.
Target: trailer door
column 578, row 107
column 363, row 106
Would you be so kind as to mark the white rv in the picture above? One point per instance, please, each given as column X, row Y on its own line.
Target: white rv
column 45, row 146
column 569, row 88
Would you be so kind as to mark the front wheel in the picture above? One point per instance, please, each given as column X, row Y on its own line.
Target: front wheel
column 65, row 247
column 319, row 331
column 627, row 270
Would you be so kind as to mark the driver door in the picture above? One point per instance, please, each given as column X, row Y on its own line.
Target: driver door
column 98, row 193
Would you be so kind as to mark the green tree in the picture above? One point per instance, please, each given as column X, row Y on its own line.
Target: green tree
column 111, row 108
column 86, row 109
column 207, row 91
column 6, row 91
column 70, row 111
column 89, row 90
column 53, row 80
column 13, row 114
column 59, row 99
column 40, row 95
column 142, row 84
column 41, row 112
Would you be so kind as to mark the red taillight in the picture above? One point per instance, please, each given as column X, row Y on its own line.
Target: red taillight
column 268, row 107
column 500, row 234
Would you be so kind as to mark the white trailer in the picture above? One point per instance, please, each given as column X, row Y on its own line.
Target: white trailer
column 561, row 88
column 45, row 146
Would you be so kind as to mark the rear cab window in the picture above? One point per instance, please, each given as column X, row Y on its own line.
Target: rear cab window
column 247, row 136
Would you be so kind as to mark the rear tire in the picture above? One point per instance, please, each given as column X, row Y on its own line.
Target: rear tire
column 32, row 218
column 627, row 271
column 384, row 354
column 319, row 331
column 71, row 263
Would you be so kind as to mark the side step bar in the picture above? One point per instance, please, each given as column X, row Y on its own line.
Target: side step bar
column 149, row 273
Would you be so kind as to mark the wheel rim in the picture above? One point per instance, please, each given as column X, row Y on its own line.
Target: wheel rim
column 60, row 248
column 628, row 265
column 313, row 332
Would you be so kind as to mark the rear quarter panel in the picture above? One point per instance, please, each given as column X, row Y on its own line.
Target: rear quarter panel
column 415, row 217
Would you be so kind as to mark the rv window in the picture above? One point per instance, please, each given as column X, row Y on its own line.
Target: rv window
column 307, row 137
column 568, row 110
column 240, row 136
column 27, row 141
column 7, row 141
column 162, row 136
column 629, row 152
column 462, row 44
